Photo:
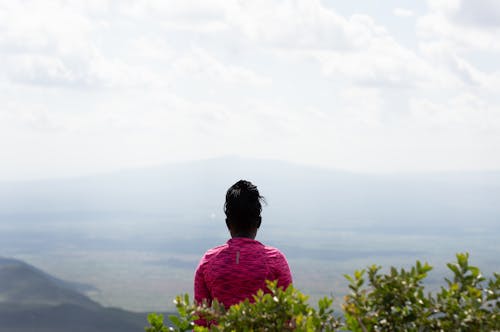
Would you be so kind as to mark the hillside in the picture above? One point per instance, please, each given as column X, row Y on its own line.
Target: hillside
column 32, row 300
column 24, row 284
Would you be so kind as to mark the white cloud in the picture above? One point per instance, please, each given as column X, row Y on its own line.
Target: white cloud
column 199, row 64
column 207, row 16
column 479, row 13
column 102, row 85
column 444, row 6
column 374, row 58
column 56, row 45
column 466, row 112
column 452, row 24
column 402, row 12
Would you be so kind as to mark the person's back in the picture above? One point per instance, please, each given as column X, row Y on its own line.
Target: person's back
column 236, row 270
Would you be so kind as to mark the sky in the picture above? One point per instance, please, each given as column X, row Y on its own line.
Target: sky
column 387, row 86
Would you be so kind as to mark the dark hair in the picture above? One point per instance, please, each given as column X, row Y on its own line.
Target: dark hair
column 243, row 206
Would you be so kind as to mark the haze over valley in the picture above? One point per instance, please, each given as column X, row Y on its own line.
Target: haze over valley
column 136, row 236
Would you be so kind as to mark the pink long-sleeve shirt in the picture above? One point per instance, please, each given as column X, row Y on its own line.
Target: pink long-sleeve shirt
column 236, row 270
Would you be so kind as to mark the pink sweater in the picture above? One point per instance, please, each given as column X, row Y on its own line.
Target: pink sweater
column 236, row 270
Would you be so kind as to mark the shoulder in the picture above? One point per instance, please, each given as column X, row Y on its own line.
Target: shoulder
column 210, row 253
column 279, row 267
column 215, row 250
column 273, row 253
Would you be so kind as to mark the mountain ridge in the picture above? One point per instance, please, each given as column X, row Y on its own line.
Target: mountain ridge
column 384, row 199
column 33, row 300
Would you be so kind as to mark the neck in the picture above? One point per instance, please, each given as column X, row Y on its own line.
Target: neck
column 244, row 235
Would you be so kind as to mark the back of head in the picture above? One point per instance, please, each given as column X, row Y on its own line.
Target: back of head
column 243, row 206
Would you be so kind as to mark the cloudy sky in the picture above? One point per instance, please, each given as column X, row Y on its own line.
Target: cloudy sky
column 392, row 86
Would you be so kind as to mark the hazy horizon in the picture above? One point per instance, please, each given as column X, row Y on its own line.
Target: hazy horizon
column 233, row 157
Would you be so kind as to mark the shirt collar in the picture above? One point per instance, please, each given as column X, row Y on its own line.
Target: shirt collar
column 241, row 240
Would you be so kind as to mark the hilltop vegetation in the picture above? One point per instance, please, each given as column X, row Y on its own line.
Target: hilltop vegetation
column 394, row 301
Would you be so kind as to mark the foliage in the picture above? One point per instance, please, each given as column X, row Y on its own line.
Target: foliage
column 467, row 304
column 394, row 301
column 278, row 310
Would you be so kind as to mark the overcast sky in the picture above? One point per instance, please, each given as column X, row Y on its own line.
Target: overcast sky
column 370, row 86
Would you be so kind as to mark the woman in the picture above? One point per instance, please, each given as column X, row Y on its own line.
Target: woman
column 236, row 270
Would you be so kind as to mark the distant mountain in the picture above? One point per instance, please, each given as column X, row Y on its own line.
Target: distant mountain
column 295, row 193
column 33, row 301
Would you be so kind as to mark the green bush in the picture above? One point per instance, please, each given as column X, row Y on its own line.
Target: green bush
column 395, row 301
